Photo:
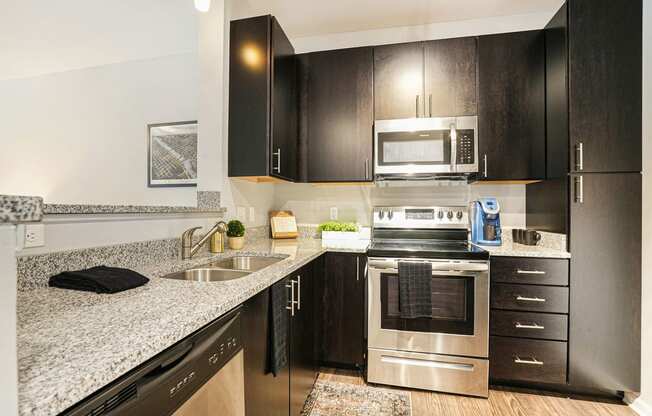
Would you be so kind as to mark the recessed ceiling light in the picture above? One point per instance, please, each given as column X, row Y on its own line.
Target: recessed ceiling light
column 203, row 5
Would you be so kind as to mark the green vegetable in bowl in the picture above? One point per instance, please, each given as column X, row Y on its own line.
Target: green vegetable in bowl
column 338, row 226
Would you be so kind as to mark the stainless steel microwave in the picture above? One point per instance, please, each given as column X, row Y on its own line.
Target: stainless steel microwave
column 426, row 148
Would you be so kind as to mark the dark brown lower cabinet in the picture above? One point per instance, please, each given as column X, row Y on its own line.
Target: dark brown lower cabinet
column 527, row 360
column 605, row 292
column 286, row 393
column 342, row 310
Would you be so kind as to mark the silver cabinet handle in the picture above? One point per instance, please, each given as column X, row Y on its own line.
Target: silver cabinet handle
column 519, row 271
column 579, row 189
column 533, row 325
column 530, row 361
column 579, row 156
column 527, row 299
column 357, row 268
column 277, row 153
column 290, row 307
column 298, row 292
column 484, row 158
column 366, row 169
column 430, row 104
column 417, row 105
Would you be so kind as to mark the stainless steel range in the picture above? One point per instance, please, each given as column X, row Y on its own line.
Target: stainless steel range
column 448, row 350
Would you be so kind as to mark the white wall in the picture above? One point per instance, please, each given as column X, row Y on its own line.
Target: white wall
column 8, row 357
column 501, row 24
column 81, row 136
column 311, row 203
column 644, row 403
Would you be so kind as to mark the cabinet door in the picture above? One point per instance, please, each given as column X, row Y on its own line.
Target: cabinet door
column 284, row 134
column 303, row 369
column 511, row 100
column 249, row 105
column 264, row 393
column 337, row 110
column 450, row 77
column 398, row 81
column 605, row 44
column 342, row 310
column 605, row 292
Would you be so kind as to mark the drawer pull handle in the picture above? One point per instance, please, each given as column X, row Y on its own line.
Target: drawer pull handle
column 519, row 271
column 530, row 361
column 533, row 325
column 526, row 299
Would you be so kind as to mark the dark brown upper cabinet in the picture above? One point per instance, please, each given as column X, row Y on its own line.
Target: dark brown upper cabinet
column 262, row 101
column 511, row 106
column 605, row 64
column 425, row 79
column 336, row 115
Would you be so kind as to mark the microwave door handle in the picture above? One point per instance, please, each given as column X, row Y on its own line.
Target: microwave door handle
column 453, row 147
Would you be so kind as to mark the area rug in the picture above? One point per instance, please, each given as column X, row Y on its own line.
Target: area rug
column 330, row 398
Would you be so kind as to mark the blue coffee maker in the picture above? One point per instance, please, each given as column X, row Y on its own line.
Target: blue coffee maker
column 485, row 222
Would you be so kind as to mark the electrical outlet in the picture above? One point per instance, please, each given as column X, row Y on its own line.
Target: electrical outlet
column 333, row 213
column 34, row 235
column 252, row 215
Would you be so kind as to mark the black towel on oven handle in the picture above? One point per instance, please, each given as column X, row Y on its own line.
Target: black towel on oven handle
column 415, row 289
column 277, row 348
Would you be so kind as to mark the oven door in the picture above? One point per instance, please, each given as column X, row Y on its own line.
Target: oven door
column 459, row 324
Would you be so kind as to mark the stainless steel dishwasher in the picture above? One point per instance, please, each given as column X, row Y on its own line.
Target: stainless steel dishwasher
column 200, row 376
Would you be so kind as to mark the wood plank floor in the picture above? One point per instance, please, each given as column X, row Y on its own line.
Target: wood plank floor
column 501, row 402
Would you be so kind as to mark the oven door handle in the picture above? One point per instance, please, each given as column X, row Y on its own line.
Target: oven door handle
column 436, row 268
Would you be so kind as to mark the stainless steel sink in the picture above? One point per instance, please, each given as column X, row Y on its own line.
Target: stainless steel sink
column 205, row 274
column 248, row 263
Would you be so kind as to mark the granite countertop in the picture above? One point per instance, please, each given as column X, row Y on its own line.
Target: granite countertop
column 511, row 249
column 89, row 340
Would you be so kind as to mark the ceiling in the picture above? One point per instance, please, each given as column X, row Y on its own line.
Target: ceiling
column 301, row 18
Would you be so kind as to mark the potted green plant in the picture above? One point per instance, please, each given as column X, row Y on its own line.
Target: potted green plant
column 235, row 232
column 335, row 230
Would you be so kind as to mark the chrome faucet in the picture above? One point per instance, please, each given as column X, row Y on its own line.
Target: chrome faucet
column 188, row 249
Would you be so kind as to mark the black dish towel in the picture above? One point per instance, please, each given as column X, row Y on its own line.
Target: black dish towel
column 100, row 279
column 415, row 289
column 277, row 336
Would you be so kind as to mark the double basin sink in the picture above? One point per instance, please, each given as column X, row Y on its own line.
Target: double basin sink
column 226, row 269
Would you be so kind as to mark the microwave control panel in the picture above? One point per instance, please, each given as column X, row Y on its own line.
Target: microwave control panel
column 465, row 147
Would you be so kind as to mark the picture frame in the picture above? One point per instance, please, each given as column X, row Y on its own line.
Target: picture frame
column 172, row 154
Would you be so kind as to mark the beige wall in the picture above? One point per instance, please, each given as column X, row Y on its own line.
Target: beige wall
column 311, row 203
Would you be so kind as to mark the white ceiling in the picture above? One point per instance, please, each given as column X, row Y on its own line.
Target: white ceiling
column 301, row 18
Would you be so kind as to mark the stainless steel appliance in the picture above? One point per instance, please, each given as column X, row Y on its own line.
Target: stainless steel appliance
column 202, row 375
column 447, row 351
column 426, row 148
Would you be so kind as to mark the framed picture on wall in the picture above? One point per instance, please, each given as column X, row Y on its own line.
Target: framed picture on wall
column 172, row 154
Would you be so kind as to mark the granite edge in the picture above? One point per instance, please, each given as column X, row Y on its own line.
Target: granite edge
column 20, row 209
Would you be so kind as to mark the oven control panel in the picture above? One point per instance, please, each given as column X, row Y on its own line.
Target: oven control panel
column 421, row 217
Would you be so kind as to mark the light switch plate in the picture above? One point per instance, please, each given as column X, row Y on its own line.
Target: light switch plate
column 34, row 235
column 252, row 215
column 333, row 213
column 241, row 213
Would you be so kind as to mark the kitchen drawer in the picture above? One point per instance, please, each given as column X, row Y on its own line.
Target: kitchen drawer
column 531, row 271
column 529, row 325
column 529, row 298
column 527, row 360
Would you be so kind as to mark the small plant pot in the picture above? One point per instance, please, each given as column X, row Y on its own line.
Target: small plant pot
column 236, row 243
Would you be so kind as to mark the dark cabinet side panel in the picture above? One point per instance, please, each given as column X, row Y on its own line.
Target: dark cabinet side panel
column 264, row 394
column 605, row 303
column 605, row 84
column 249, row 89
column 398, row 81
column 511, row 105
column 337, row 114
column 450, row 77
column 303, row 368
column 342, row 310
column 284, row 138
